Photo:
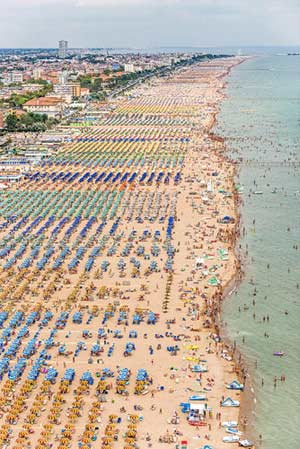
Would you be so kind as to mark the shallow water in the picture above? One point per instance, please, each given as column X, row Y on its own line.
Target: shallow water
column 261, row 121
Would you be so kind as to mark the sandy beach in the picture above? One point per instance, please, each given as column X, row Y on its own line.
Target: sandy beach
column 112, row 278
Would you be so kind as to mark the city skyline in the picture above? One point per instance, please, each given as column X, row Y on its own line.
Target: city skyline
column 149, row 23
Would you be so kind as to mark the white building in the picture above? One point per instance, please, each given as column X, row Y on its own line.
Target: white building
column 129, row 68
column 17, row 77
column 67, row 91
column 13, row 77
column 63, row 77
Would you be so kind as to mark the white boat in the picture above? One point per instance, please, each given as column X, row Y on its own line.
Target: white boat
column 229, row 424
column 246, row 443
column 231, row 439
column 233, row 431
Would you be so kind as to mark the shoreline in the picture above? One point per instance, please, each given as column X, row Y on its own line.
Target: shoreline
column 247, row 407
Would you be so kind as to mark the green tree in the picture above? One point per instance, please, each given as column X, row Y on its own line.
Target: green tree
column 11, row 122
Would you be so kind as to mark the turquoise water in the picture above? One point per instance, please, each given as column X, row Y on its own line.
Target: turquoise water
column 261, row 122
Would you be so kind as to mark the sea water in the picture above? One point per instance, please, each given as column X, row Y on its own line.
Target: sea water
column 260, row 120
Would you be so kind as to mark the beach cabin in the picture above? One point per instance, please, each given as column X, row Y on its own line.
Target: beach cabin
column 196, row 416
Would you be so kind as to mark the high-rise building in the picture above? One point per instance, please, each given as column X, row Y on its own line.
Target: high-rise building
column 37, row 74
column 62, row 49
column 67, row 90
column 63, row 77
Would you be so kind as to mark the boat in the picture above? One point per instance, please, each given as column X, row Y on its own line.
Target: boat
column 231, row 439
column 198, row 397
column 229, row 424
column 279, row 353
column 246, row 443
column 233, row 431
column 258, row 192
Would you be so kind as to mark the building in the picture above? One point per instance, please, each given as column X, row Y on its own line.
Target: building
column 76, row 89
column 2, row 121
column 51, row 76
column 84, row 91
column 67, row 90
column 129, row 68
column 37, row 74
column 17, row 77
column 63, row 91
column 13, row 77
column 63, row 77
column 62, row 49
column 115, row 66
column 51, row 106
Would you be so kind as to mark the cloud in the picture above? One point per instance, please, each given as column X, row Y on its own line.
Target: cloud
column 140, row 23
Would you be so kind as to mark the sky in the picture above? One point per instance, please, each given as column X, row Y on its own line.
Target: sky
column 149, row 23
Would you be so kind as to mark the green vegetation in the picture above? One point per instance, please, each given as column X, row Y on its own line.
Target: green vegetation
column 198, row 58
column 94, row 84
column 38, row 81
column 123, row 80
column 99, row 96
column 17, row 100
column 29, row 122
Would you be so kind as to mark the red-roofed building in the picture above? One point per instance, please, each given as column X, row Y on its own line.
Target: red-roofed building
column 52, row 106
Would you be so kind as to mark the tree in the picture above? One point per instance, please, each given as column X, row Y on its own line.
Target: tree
column 29, row 122
column 11, row 122
column 85, row 81
column 18, row 100
column 96, row 85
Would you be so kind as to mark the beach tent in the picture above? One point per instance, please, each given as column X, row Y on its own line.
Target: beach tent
column 228, row 402
column 213, row 281
column 235, row 385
